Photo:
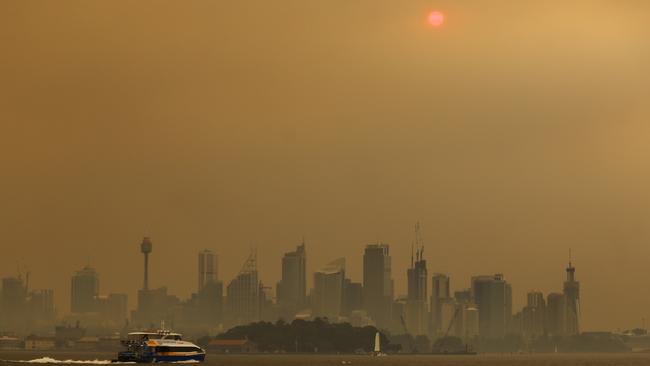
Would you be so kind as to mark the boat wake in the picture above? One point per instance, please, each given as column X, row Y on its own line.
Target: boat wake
column 68, row 362
column 50, row 360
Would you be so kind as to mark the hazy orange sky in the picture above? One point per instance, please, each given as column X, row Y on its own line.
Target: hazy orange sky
column 513, row 132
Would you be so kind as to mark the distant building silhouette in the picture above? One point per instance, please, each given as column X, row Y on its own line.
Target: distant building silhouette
column 292, row 288
column 154, row 305
column 84, row 291
column 440, row 294
column 572, row 297
column 208, row 266
column 493, row 297
column 533, row 316
column 327, row 296
column 378, row 284
column 416, row 300
column 12, row 304
column 210, row 305
column 243, row 294
column 556, row 314
column 352, row 297
column 113, row 308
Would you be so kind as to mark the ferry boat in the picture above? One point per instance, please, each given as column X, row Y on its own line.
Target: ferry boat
column 160, row 346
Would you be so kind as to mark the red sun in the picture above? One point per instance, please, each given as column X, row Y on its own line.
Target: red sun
column 436, row 18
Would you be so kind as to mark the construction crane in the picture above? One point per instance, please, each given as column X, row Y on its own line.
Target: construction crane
column 451, row 322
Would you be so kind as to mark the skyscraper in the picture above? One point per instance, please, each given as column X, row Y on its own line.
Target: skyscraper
column 534, row 315
column 12, row 303
column 243, row 294
column 416, row 299
column 207, row 268
column 556, row 314
column 85, row 289
column 378, row 284
column 327, row 297
column 572, row 297
column 292, row 288
column 440, row 294
column 493, row 297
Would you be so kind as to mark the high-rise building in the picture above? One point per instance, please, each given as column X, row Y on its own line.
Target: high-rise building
column 440, row 294
column 493, row 297
column 378, row 284
column 292, row 288
column 243, row 294
column 41, row 305
column 572, row 297
column 210, row 303
column 328, row 293
column 533, row 316
column 416, row 299
column 556, row 314
column 207, row 268
column 85, row 289
column 352, row 296
column 12, row 303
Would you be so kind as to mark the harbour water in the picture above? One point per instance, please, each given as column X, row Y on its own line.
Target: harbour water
column 593, row 359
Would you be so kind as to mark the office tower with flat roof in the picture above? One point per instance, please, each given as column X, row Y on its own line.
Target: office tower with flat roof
column 292, row 288
column 328, row 294
column 440, row 294
column 493, row 298
column 556, row 314
column 352, row 296
column 84, row 291
column 207, row 268
column 12, row 302
column 378, row 284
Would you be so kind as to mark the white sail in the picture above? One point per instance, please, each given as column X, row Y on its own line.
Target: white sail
column 377, row 343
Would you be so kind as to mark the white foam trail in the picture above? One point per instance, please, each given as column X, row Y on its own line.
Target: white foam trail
column 50, row 360
column 55, row 361
column 186, row 361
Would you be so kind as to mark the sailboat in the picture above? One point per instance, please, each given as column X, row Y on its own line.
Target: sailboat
column 377, row 350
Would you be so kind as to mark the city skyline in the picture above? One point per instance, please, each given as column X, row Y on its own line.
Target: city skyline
column 512, row 132
column 86, row 297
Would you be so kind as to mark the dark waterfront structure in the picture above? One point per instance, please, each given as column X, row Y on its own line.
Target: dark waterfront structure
column 378, row 284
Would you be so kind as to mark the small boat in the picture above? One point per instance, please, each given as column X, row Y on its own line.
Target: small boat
column 377, row 350
column 160, row 346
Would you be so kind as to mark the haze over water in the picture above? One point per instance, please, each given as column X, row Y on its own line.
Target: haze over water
column 515, row 131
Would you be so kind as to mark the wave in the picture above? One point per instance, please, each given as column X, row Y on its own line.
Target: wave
column 54, row 360
column 186, row 361
column 82, row 362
